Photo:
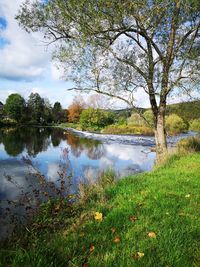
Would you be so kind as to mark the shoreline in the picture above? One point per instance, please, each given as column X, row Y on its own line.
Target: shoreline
column 127, row 139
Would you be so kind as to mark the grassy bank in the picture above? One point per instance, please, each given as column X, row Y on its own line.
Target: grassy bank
column 151, row 219
column 128, row 129
column 113, row 129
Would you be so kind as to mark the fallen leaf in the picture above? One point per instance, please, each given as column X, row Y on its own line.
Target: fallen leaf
column 92, row 248
column 85, row 265
column 152, row 235
column 113, row 230
column 138, row 255
column 133, row 218
column 117, row 239
column 98, row 216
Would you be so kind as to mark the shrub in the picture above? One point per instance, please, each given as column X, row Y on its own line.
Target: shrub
column 136, row 120
column 190, row 144
column 128, row 129
column 149, row 116
column 121, row 121
column 95, row 118
column 195, row 125
column 175, row 124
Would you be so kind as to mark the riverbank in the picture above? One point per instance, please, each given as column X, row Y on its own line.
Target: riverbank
column 129, row 139
column 151, row 219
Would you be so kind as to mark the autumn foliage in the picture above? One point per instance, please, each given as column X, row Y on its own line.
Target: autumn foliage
column 74, row 111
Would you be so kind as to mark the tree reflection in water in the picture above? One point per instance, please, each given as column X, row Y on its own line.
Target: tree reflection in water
column 92, row 148
column 34, row 140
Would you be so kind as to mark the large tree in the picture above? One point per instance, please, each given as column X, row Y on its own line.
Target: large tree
column 58, row 113
column 36, row 106
column 15, row 107
column 118, row 47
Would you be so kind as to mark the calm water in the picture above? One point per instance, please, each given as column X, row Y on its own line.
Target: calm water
column 53, row 150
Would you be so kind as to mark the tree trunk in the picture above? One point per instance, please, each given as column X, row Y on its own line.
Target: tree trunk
column 160, row 138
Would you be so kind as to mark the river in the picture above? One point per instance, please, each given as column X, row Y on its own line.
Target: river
column 32, row 156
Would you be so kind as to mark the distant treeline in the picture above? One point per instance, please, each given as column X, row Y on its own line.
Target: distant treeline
column 36, row 110
column 186, row 110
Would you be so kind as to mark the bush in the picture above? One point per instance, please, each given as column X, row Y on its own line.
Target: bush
column 190, row 144
column 136, row 120
column 128, row 129
column 175, row 124
column 121, row 121
column 95, row 119
column 195, row 125
column 149, row 116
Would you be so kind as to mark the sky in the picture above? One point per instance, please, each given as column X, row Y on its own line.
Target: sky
column 25, row 62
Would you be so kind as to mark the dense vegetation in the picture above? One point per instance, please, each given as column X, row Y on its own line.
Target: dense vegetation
column 89, row 116
column 95, row 118
column 186, row 110
column 151, row 219
column 125, row 122
column 36, row 110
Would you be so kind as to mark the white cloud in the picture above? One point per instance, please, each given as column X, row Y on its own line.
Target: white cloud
column 53, row 94
column 57, row 71
column 25, row 56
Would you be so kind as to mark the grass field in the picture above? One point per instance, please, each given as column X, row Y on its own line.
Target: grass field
column 151, row 219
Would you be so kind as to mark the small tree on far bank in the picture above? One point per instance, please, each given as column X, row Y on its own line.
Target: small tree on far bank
column 74, row 111
column 95, row 119
column 58, row 113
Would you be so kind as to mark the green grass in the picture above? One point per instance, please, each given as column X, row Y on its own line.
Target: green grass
column 76, row 126
column 165, row 201
column 127, row 129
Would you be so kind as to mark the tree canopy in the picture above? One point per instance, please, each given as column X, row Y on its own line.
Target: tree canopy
column 15, row 106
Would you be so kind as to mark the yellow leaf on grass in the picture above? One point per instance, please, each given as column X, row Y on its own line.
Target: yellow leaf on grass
column 98, row 216
column 152, row 235
column 92, row 248
column 113, row 230
column 133, row 218
column 117, row 239
column 140, row 254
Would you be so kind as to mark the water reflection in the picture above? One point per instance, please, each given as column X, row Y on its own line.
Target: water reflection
column 45, row 146
column 54, row 151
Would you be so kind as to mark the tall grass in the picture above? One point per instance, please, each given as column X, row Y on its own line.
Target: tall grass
column 189, row 145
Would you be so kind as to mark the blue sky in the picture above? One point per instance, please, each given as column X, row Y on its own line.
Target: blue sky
column 25, row 63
